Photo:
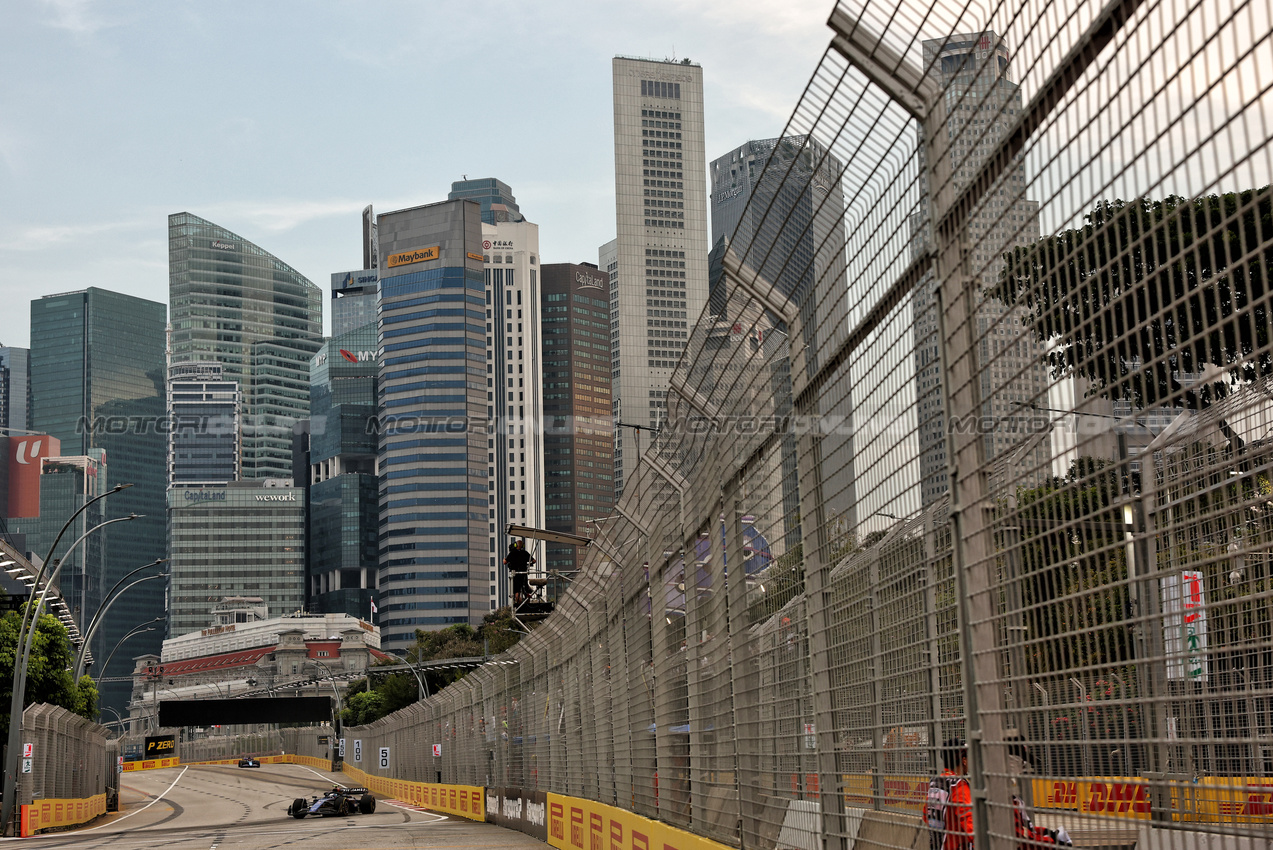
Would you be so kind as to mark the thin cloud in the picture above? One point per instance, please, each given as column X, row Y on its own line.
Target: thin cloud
column 81, row 17
column 42, row 237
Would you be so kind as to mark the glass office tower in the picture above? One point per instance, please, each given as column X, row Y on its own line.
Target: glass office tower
column 241, row 539
column 433, row 405
column 344, row 508
column 235, row 304
column 15, row 384
column 495, row 196
column 97, row 383
column 204, row 409
column 578, row 427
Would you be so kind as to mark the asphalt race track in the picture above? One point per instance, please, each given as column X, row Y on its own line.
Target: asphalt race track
column 216, row 807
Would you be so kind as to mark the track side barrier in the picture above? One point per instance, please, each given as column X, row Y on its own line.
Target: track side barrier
column 465, row 801
column 52, row 814
column 575, row 824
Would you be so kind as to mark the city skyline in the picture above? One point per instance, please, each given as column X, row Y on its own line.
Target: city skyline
column 92, row 181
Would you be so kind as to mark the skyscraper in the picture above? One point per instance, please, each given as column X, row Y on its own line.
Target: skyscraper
column 495, row 196
column 661, row 245
column 344, row 507
column 235, row 304
column 97, row 384
column 246, row 538
column 778, row 204
column 578, row 431
column 15, row 387
column 353, row 300
column 204, row 410
column 510, row 251
column 434, row 393
column 974, row 70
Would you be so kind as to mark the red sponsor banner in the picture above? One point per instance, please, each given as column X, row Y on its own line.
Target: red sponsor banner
column 25, row 462
column 557, row 821
column 595, row 825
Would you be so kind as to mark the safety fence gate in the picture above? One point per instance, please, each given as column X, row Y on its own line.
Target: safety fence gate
column 969, row 455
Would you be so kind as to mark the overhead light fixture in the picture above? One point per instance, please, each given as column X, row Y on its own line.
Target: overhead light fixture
column 546, row 535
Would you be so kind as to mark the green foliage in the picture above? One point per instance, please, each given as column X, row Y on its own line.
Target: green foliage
column 1145, row 289
column 49, row 676
column 363, row 708
column 391, row 687
column 1073, row 569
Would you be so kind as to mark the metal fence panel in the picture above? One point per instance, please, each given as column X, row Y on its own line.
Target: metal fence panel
column 970, row 448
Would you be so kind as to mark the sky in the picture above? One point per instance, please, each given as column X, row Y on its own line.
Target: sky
column 281, row 120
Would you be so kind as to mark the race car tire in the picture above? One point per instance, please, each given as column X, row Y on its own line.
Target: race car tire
column 342, row 808
column 298, row 808
column 367, row 805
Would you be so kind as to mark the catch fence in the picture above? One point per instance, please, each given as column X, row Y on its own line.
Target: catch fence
column 970, row 447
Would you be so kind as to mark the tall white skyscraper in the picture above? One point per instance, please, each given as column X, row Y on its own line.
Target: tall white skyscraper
column 660, row 285
column 515, row 398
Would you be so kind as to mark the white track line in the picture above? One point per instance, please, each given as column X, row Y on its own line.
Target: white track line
column 78, row 832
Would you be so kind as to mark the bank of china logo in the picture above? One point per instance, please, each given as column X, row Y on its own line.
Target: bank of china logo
column 28, row 450
column 486, row 243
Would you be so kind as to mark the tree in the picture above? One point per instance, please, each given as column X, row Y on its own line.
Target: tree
column 1073, row 571
column 49, row 676
column 391, row 688
column 1146, row 290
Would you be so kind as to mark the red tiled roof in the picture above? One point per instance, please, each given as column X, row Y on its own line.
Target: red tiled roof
column 226, row 661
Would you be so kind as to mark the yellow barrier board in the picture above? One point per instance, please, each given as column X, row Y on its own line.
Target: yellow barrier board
column 48, row 814
column 465, row 801
column 1212, row 799
column 151, row 764
column 575, row 824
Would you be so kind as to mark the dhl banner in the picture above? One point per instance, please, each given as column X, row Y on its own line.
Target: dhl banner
column 575, row 824
column 465, row 801
column 48, row 814
column 151, row 764
column 1212, row 799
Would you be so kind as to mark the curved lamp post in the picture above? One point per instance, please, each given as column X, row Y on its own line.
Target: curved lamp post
column 81, row 656
column 22, row 654
column 423, row 690
column 335, row 749
column 148, row 626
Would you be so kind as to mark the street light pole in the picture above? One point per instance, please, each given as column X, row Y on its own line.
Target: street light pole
column 144, row 627
column 81, row 656
column 422, row 690
column 109, row 599
column 22, row 655
column 335, row 749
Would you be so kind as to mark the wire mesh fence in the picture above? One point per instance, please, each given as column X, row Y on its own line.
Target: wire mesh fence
column 65, row 757
column 971, row 451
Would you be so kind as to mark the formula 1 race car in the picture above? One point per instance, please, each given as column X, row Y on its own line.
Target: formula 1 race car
column 249, row 762
column 338, row 801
